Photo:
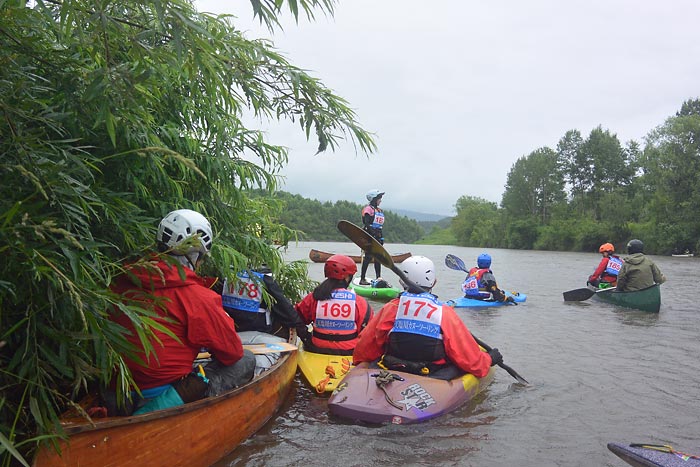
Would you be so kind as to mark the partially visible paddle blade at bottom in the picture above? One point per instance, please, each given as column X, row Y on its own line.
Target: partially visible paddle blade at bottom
column 578, row 295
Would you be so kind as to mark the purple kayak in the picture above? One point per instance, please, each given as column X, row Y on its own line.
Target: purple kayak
column 379, row 396
column 653, row 455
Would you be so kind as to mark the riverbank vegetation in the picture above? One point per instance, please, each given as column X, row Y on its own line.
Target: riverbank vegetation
column 592, row 190
column 112, row 115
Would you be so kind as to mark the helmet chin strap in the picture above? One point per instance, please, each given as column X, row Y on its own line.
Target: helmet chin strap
column 189, row 260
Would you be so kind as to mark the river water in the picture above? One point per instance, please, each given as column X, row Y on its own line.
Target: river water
column 598, row 374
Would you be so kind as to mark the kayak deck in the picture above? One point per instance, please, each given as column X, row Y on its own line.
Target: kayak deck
column 322, row 371
column 400, row 398
column 374, row 293
column 462, row 302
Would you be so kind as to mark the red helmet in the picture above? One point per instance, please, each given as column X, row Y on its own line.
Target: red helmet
column 606, row 247
column 339, row 266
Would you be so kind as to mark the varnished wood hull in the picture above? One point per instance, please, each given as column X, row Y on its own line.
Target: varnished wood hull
column 318, row 256
column 195, row 434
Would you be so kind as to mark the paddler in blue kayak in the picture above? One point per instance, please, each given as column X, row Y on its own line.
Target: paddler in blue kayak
column 418, row 334
column 480, row 283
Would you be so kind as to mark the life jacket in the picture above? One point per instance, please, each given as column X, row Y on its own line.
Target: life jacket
column 614, row 266
column 417, row 333
column 245, row 295
column 375, row 228
column 335, row 317
column 473, row 287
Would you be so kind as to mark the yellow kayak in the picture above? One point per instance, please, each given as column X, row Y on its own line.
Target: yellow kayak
column 322, row 371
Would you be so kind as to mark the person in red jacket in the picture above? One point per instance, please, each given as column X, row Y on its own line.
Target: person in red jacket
column 184, row 304
column 338, row 314
column 605, row 275
column 416, row 333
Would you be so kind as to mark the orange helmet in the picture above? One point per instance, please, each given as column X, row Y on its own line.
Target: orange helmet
column 339, row 266
column 606, row 247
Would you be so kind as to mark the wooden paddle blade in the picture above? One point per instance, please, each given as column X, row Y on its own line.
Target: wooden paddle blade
column 364, row 240
column 578, row 295
column 453, row 262
column 372, row 247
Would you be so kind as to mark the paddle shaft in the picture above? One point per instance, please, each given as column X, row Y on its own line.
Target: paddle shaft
column 580, row 295
column 371, row 246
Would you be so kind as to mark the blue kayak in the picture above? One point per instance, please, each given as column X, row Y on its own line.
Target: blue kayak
column 462, row 302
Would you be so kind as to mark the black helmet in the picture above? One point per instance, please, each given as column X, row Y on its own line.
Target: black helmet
column 635, row 246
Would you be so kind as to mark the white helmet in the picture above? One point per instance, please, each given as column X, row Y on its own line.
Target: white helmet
column 420, row 270
column 182, row 224
column 371, row 194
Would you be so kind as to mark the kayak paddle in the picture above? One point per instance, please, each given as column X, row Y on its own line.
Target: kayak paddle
column 579, row 295
column 372, row 247
column 453, row 262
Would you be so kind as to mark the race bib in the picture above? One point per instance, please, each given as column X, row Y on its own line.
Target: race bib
column 419, row 314
column 337, row 313
column 244, row 294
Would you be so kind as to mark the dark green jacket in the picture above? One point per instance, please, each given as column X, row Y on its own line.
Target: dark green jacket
column 638, row 272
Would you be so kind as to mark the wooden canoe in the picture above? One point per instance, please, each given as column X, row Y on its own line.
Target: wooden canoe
column 318, row 256
column 648, row 299
column 195, row 434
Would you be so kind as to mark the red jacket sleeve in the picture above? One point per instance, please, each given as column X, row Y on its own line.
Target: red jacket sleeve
column 211, row 327
column 374, row 338
column 599, row 270
column 460, row 347
column 306, row 309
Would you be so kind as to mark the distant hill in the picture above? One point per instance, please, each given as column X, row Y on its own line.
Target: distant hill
column 419, row 216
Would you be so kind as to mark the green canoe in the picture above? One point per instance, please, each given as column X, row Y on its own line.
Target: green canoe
column 648, row 299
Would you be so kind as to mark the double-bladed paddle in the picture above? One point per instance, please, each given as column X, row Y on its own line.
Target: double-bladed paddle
column 372, row 247
column 456, row 263
column 453, row 262
column 579, row 295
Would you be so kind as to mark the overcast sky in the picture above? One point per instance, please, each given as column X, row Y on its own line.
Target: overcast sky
column 455, row 91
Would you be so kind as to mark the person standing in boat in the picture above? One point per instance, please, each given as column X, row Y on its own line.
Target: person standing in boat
column 605, row 275
column 338, row 314
column 244, row 301
column 184, row 304
column 638, row 271
column 418, row 334
column 480, row 283
column 373, row 223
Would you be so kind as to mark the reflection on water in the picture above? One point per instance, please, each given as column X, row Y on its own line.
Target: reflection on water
column 598, row 373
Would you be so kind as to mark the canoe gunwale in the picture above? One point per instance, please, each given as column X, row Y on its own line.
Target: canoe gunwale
column 625, row 299
column 318, row 256
column 72, row 428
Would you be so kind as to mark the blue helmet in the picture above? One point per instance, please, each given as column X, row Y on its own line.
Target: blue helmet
column 484, row 260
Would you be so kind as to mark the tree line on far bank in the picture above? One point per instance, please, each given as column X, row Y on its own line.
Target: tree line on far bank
column 316, row 221
column 593, row 190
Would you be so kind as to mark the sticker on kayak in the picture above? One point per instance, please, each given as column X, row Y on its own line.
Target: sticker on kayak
column 416, row 397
